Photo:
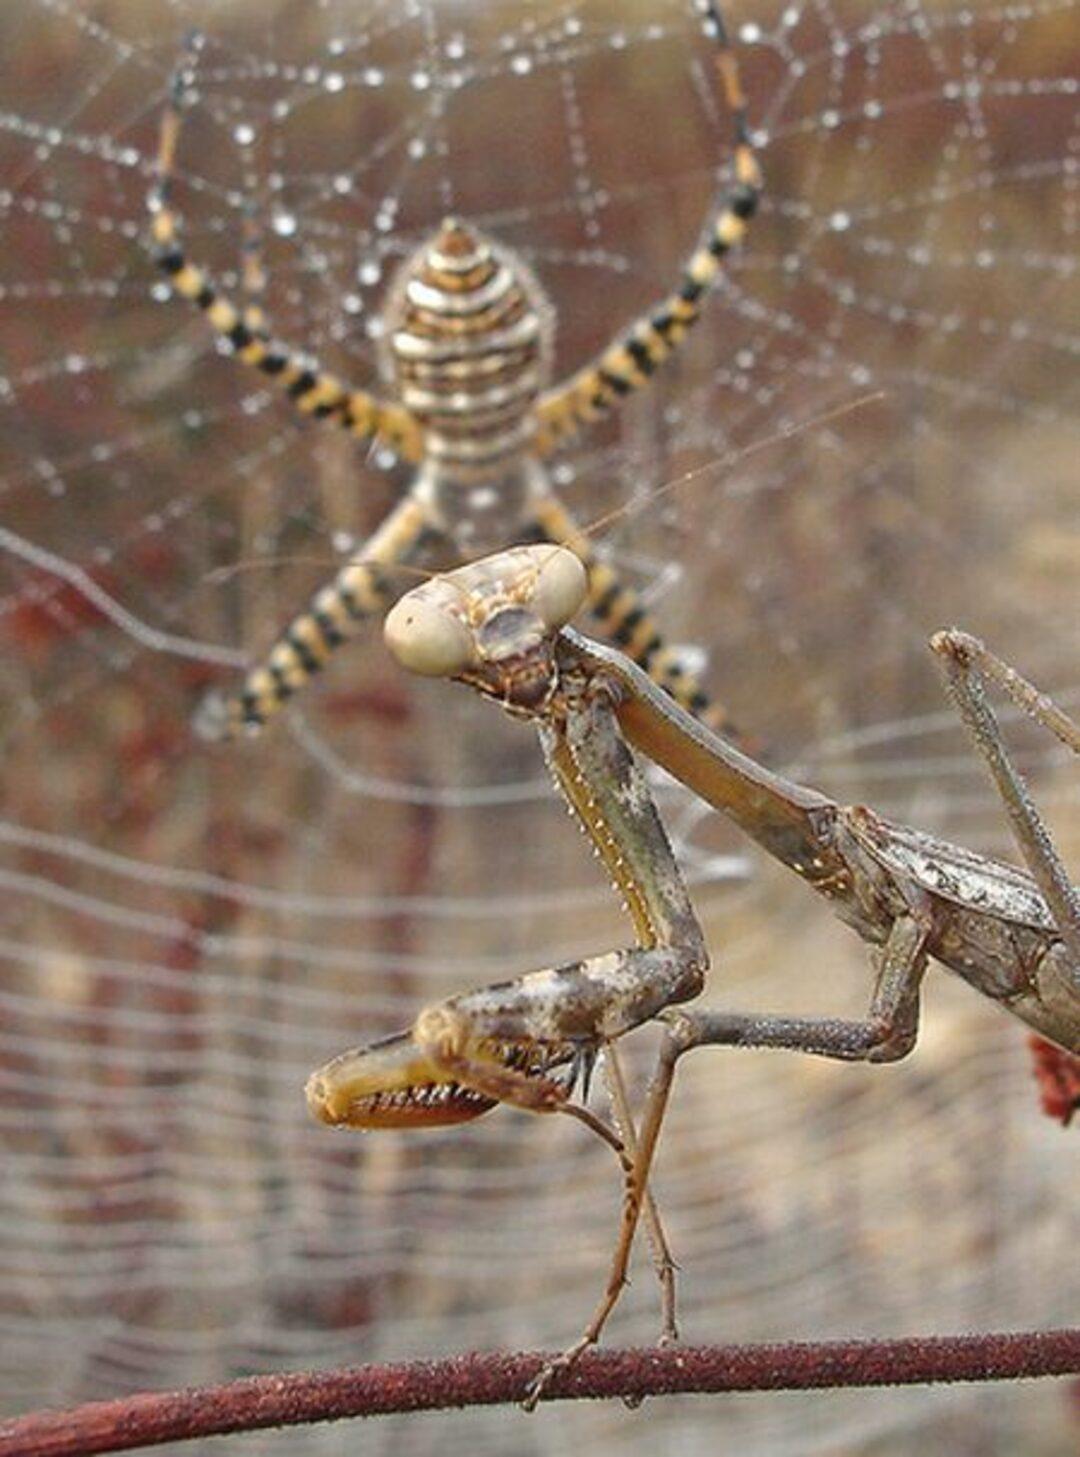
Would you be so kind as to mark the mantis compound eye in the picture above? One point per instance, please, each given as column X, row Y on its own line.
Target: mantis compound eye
column 426, row 638
column 561, row 587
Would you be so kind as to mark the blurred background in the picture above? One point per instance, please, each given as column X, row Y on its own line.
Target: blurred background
column 186, row 931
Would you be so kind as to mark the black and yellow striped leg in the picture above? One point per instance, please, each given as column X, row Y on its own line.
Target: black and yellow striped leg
column 626, row 620
column 313, row 390
column 629, row 363
column 365, row 587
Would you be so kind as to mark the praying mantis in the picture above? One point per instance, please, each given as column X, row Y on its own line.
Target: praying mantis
column 499, row 625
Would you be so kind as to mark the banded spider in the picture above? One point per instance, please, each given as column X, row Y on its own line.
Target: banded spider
column 468, row 333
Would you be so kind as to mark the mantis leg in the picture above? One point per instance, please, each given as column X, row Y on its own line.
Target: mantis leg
column 503, row 1040
column 886, row 1033
column 625, row 1148
column 663, row 1262
column 966, row 662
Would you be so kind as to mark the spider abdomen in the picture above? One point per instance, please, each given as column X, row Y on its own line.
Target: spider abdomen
column 469, row 338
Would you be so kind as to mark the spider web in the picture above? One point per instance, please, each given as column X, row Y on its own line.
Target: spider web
column 188, row 931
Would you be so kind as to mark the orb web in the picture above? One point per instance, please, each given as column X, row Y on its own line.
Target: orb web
column 875, row 426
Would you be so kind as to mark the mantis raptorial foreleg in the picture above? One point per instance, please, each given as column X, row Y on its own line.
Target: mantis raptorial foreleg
column 503, row 1043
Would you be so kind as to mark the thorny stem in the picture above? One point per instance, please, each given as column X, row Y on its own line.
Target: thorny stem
column 289, row 1399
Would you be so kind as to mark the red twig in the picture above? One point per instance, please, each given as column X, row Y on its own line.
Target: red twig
column 488, row 1379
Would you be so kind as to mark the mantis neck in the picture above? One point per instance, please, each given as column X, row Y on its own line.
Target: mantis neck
column 784, row 818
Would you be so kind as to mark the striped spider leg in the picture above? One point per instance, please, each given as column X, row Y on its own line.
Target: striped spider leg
column 1012, row 935
column 466, row 360
column 493, row 626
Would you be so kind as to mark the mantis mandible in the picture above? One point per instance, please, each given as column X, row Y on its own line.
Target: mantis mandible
column 499, row 625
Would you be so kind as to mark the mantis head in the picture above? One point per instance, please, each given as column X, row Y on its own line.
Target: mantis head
column 492, row 624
